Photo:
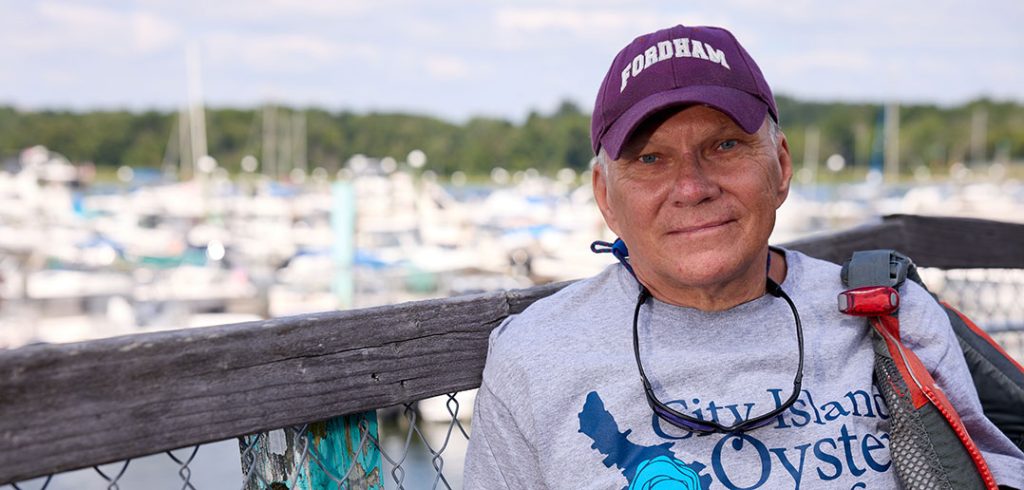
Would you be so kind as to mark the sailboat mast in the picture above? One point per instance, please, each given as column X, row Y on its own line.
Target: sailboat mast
column 812, row 140
column 196, row 112
column 979, row 134
column 299, row 140
column 270, row 141
column 185, row 159
column 892, row 142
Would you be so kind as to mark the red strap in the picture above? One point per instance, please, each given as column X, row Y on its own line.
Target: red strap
column 907, row 363
column 923, row 390
column 984, row 336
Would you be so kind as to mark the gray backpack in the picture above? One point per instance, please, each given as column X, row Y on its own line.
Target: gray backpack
column 930, row 448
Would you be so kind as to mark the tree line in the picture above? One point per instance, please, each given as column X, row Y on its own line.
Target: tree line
column 930, row 135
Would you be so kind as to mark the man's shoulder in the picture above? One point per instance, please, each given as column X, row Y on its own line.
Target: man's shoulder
column 810, row 276
column 568, row 312
column 812, row 266
column 819, row 276
column 923, row 318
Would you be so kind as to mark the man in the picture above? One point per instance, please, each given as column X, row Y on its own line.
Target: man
column 686, row 365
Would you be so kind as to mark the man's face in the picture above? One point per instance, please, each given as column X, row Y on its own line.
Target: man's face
column 694, row 198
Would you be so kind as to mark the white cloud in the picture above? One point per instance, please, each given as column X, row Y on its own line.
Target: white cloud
column 259, row 10
column 447, row 67
column 605, row 29
column 822, row 59
column 282, row 52
column 581, row 22
column 800, row 10
column 152, row 33
column 63, row 25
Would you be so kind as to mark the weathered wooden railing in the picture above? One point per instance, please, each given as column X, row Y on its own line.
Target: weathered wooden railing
column 72, row 406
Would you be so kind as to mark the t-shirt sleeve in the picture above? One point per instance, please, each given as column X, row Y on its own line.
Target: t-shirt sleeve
column 936, row 345
column 500, row 454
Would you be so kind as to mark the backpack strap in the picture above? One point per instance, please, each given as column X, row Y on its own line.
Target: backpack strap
column 877, row 268
column 929, row 445
column 998, row 378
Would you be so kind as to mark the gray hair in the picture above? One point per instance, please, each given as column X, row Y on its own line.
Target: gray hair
column 602, row 157
column 601, row 160
column 773, row 131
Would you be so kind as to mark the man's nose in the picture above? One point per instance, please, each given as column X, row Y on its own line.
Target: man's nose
column 691, row 181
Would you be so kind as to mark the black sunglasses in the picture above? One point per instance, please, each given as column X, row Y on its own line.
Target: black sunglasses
column 692, row 424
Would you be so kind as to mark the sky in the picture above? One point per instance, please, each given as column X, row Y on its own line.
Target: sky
column 457, row 59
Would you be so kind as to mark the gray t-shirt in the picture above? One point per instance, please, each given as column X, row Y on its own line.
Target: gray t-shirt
column 562, row 405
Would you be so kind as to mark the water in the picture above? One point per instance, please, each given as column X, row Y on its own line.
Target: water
column 216, row 466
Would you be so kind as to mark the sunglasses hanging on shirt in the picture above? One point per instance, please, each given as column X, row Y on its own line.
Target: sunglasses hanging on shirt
column 693, row 424
column 675, row 417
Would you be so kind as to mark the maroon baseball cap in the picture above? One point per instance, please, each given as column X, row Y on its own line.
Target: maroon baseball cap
column 675, row 67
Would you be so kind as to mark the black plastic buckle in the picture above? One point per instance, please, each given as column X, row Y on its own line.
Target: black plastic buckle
column 876, row 268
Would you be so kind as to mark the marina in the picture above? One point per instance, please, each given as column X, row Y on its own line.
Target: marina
column 80, row 262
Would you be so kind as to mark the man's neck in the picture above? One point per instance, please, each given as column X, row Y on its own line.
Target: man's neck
column 721, row 297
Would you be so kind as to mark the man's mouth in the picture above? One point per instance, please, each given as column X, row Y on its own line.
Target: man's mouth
column 700, row 228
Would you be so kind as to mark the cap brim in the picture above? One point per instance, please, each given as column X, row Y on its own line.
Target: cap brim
column 745, row 109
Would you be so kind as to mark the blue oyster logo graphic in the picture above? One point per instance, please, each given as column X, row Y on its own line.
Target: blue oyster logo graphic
column 663, row 473
column 644, row 467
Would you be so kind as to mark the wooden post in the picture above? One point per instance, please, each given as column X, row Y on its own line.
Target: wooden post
column 336, row 449
column 327, row 453
column 343, row 248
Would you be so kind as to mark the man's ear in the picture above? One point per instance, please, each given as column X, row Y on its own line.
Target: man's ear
column 786, row 170
column 599, row 183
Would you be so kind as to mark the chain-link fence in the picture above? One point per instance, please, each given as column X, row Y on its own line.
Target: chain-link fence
column 415, row 459
column 992, row 298
column 417, row 450
column 417, row 453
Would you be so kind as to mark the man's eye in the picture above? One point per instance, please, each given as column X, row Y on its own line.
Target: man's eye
column 727, row 144
column 648, row 158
